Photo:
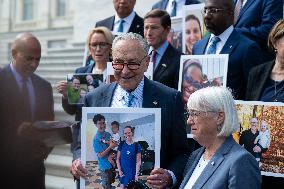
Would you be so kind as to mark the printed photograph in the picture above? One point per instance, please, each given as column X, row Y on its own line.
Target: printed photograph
column 199, row 71
column 120, row 146
column 175, row 35
column 80, row 84
column 193, row 26
column 261, row 133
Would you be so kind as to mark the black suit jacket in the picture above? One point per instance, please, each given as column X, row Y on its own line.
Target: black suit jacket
column 256, row 80
column 163, row 4
column 23, row 169
column 167, row 72
column 173, row 135
column 137, row 25
column 243, row 55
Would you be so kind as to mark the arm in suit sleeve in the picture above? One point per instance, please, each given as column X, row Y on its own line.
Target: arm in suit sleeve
column 179, row 148
column 50, row 109
column 272, row 11
column 244, row 173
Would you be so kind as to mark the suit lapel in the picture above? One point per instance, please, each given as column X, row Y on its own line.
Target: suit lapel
column 200, row 49
column 106, row 96
column 231, row 43
column 243, row 10
column 110, row 23
column 214, row 163
column 135, row 25
column 164, row 62
column 192, row 167
column 151, row 100
column 164, row 4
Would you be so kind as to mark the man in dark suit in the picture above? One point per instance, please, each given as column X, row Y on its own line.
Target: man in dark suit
column 255, row 20
column 224, row 39
column 165, row 58
column 125, row 20
column 130, row 61
column 168, row 5
column 24, row 97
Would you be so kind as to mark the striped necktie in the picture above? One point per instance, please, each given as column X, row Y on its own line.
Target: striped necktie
column 212, row 46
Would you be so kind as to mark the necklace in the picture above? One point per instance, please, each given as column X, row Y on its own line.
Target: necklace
column 277, row 92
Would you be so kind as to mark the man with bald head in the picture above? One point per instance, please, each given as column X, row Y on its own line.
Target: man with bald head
column 24, row 97
column 224, row 39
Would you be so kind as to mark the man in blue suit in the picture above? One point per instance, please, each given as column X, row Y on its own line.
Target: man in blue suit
column 130, row 61
column 125, row 20
column 167, row 5
column 256, row 19
column 243, row 53
column 165, row 57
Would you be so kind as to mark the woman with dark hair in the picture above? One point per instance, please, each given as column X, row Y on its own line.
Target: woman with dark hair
column 192, row 32
column 128, row 158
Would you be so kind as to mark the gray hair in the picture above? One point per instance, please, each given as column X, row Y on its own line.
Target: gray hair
column 132, row 36
column 216, row 99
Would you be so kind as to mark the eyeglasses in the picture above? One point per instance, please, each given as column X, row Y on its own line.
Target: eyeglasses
column 194, row 114
column 118, row 64
column 212, row 10
column 102, row 45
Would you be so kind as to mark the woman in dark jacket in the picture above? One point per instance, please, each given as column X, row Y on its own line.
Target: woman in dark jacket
column 266, row 81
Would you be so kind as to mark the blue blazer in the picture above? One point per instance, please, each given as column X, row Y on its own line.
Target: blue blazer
column 137, row 25
column 163, row 4
column 174, row 149
column 230, row 167
column 243, row 55
column 258, row 17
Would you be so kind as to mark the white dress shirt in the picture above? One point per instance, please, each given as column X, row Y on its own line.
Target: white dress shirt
column 223, row 39
column 127, row 22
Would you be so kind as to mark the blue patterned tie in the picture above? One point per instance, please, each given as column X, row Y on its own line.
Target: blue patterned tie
column 128, row 99
column 212, row 46
column 120, row 27
column 174, row 10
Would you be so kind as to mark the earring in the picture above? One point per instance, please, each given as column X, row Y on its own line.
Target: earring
column 275, row 50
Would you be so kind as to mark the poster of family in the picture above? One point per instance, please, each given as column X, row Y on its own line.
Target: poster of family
column 261, row 133
column 123, row 141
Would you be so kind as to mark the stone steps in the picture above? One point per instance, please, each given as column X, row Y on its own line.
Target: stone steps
column 55, row 66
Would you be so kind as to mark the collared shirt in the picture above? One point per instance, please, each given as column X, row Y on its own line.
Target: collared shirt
column 180, row 4
column 126, row 25
column 119, row 94
column 223, row 37
column 19, row 79
column 99, row 146
column 159, row 52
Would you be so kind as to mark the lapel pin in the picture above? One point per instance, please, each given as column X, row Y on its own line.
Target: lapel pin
column 231, row 46
column 155, row 103
column 164, row 65
column 212, row 163
column 138, row 26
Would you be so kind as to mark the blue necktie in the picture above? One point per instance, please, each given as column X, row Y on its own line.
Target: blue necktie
column 120, row 27
column 212, row 46
column 174, row 10
column 153, row 58
column 128, row 99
